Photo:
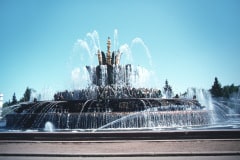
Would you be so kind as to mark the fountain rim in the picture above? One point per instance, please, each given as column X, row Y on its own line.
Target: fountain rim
column 121, row 135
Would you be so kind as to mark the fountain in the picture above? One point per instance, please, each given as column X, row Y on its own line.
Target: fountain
column 111, row 101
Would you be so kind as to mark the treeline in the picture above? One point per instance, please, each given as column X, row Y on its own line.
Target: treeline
column 216, row 91
column 226, row 91
column 26, row 97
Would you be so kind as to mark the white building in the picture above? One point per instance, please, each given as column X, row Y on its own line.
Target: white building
column 1, row 100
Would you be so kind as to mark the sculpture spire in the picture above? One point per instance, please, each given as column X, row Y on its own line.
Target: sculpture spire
column 109, row 51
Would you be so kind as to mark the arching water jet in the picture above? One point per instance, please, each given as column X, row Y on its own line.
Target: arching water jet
column 115, row 98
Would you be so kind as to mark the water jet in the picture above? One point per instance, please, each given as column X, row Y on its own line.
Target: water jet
column 111, row 102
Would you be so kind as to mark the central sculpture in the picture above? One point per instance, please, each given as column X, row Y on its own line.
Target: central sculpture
column 108, row 71
column 109, row 102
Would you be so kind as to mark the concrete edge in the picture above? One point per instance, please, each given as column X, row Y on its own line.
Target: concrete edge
column 166, row 154
column 96, row 136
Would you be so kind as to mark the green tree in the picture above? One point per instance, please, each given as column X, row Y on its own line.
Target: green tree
column 229, row 90
column 216, row 89
column 27, row 95
column 14, row 99
column 226, row 92
column 6, row 104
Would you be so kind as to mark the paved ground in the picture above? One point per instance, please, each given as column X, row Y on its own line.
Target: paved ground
column 186, row 145
column 121, row 148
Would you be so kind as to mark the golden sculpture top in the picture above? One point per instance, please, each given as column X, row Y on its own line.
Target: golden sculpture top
column 109, row 51
column 109, row 59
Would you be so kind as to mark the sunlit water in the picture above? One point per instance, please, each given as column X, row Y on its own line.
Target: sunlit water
column 221, row 117
column 216, row 114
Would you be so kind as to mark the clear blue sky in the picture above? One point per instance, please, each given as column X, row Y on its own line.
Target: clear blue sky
column 190, row 41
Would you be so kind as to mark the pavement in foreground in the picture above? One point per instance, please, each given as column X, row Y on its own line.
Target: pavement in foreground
column 122, row 149
column 186, row 145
